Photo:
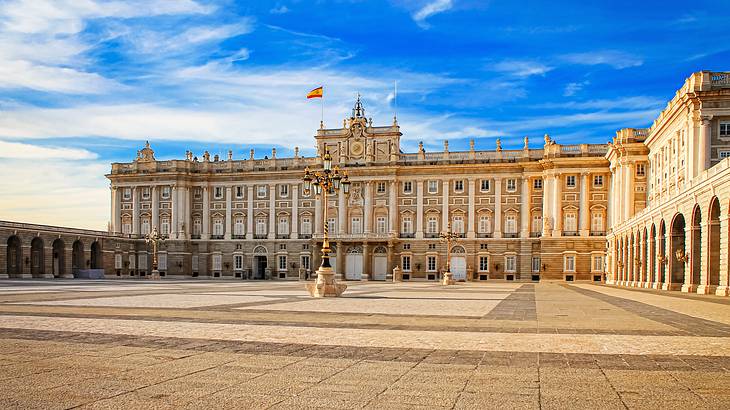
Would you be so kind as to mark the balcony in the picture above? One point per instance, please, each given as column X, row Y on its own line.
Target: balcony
column 510, row 235
column 195, row 236
column 282, row 236
column 570, row 233
column 460, row 235
column 216, row 236
column 260, row 236
column 431, row 235
column 485, row 235
column 407, row 235
column 598, row 233
column 305, row 236
column 239, row 236
column 535, row 234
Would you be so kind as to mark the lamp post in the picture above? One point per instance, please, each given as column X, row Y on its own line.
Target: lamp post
column 448, row 237
column 155, row 239
column 326, row 182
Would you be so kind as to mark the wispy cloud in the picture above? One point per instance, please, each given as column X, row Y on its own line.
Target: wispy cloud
column 521, row 68
column 430, row 9
column 283, row 9
column 573, row 88
column 614, row 58
column 19, row 150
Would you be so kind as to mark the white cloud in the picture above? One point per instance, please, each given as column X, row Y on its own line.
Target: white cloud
column 23, row 74
column 18, row 150
column 279, row 10
column 521, row 68
column 622, row 103
column 614, row 58
column 156, row 42
column 429, row 9
column 573, row 88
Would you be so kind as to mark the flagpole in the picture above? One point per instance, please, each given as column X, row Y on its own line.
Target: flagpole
column 321, row 120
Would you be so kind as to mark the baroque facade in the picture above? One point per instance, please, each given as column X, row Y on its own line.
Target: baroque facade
column 561, row 212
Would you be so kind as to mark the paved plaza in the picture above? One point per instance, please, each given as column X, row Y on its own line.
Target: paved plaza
column 213, row 344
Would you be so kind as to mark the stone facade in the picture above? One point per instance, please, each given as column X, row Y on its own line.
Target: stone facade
column 673, row 184
column 525, row 214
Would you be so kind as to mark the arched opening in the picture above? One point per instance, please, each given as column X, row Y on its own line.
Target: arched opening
column 662, row 258
column 58, row 258
column 380, row 263
column 645, row 257
column 260, row 262
column 457, row 263
column 695, row 256
column 677, row 255
column 713, row 246
column 652, row 255
column 96, row 255
column 353, row 263
column 77, row 257
column 36, row 257
column 633, row 260
column 14, row 256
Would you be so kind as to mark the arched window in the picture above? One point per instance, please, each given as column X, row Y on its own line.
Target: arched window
column 197, row 226
column 283, row 225
column 261, row 226
column 238, row 227
column 485, row 223
column 432, row 224
column 218, row 226
column 597, row 224
column 510, row 223
column 407, row 224
column 536, row 223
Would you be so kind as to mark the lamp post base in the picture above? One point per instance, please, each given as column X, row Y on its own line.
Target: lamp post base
column 155, row 275
column 325, row 285
column 448, row 279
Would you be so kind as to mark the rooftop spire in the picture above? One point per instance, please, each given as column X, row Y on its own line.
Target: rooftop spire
column 358, row 111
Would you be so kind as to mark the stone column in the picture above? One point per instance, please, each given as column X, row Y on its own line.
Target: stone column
column 470, row 223
column 249, row 212
column 610, row 202
column 295, row 211
column 116, row 210
column 393, row 207
column 155, row 196
column 367, row 207
column 628, row 191
column 188, row 224
column 339, row 271
column 445, row 206
column 206, row 214
column 525, row 208
column 547, row 205
column 175, row 215
column 419, row 209
column 229, row 222
column 318, row 223
column 272, row 211
column 704, row 145
column 497, row 207
column 584, row 204
column 558, row 205
column 341, row 213
column 724, row 288
column 135, row 211
column 365, row 261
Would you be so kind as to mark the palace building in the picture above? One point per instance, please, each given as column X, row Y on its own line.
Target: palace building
column 619, row 212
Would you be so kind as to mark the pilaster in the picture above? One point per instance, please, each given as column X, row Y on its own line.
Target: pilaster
column 272, row 211
column 497, row 207
column 419, row 209
column 229, row 206
column 470, row 216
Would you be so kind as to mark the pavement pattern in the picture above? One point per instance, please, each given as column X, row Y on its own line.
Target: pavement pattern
column 213, row 344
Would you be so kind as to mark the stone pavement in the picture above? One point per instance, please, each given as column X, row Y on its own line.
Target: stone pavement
column 202, row 344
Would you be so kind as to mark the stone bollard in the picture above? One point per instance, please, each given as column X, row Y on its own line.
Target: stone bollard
column 397, row 274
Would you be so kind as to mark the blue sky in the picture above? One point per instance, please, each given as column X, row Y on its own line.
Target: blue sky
column 84, row 82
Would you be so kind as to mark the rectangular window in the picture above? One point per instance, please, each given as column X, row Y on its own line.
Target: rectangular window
column 238, row 262
column 126, row 228
column 511, row 185
column 380, row 187
column 218, row 192
column 132, row 259
column 118, row 261
column 238, row 227
column 569, row 265
column 570, row 222
column 145, row 227
column 127, row 194
column 598, row 181
column 724, row 154
column 305, row 262
column 165, row 192
column 725, row 129
column 165, row 226
column 218, row 227
column 432, row 225
column 407, row 225
column 284, row 225
column 484, row 264
column 283, row 191
column 431, row 246
column 458, row 224
column 485, row 224
column 406, row 246
column 570, row 181
column 510, row 263
column 146, row 193
column 261, row 191
column 217, row 259
column 306, row 226
column 536, row 223
column 640, row 170
column 536, row 264
column 261, row 226
column 510, row 224
column 458, row 186
column 597, row 222
column 381, row 225
column 433, row 187
column 406, row 262
column 598, row 263
column 282, row 262
column 356, row 225
column 431, row 263
column 407, row 187
column 198, row 193
column 239, row 192
column 143, row 262
column 332, row 225
column 537, row 184
column 484, row 187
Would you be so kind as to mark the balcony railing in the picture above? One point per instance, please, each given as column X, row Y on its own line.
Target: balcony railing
column 282, row 236
column 239, row 236
column 216, row 236
column 460, row 235
column 535, row 234
column 305, row 236
column 570, row 233
column 598, row 233
column 260, row 236
column 195, row 236
column 510, row 235
column 431, row 235
column 407, row 235
column 484, row 235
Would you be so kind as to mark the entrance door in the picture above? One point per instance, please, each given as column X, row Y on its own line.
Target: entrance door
column 458, row 267
column 380, row 267
column 353, row 270
column 261, row 264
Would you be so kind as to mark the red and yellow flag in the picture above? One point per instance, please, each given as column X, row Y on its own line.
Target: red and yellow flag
column 316, row 93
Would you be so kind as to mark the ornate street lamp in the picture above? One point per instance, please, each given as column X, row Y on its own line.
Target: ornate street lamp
column 155, row 239
column 323, row 183
column 681, row 256
column 448, row 237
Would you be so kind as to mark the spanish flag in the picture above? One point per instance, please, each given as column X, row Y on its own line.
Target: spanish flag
column 316, row 93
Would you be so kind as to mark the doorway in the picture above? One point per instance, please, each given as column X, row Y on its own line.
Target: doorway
column 260, row 265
